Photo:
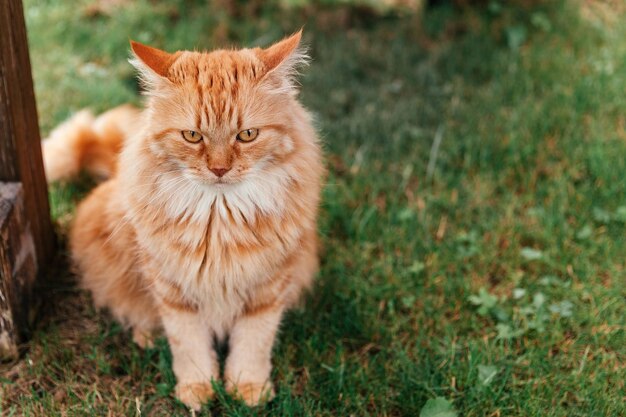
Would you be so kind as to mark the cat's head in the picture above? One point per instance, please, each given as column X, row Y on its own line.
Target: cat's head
column 220, row 117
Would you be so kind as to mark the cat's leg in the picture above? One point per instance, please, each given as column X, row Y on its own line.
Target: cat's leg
column 248, row 366
column 194, row 359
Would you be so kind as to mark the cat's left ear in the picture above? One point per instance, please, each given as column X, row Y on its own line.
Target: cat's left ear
column 153, row 64
column 281, row 60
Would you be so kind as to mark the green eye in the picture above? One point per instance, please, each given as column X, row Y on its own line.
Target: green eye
column 191, row 136
column 248, row 135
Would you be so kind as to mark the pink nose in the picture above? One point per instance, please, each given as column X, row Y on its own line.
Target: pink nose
column 219, row 171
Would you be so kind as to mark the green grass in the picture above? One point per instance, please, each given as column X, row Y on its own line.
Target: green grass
column 497, row 283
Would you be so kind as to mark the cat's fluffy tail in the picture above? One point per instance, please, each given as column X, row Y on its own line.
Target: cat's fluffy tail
column 88, row 143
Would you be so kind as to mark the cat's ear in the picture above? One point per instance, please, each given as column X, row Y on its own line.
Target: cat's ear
column 282, row 60
column 152, row 63
column 280, row 52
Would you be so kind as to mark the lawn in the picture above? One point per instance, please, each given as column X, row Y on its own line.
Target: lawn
column 473, row 220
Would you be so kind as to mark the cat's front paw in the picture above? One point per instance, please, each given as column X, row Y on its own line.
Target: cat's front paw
column 194, row 395
column 251, row 393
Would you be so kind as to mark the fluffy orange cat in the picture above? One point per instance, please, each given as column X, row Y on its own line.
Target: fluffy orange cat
column 206, row 227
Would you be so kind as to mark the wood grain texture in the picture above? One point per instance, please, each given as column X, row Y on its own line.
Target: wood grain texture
column 17, row 268
column 26, row 234
column 20, row 143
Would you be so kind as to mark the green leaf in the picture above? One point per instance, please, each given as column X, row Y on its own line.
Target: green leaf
column 408, row 301
column 584, row 233
column 505, row 332
column 486, row 374
column 539, row 299
column 541, row 21
column 438, row 407
column 406, row 214
column 551, row 280
column 620, row 214
column 484, row 301
column 563, row 309
column 531, row 254
column 500, row 314
column 416, row 267
column 518, row 293
column 516, row 36
column 601, row 215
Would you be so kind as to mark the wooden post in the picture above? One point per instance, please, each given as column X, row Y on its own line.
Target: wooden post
column 26, row 234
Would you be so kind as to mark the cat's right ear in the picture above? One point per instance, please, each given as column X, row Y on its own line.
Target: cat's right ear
column 153, row 64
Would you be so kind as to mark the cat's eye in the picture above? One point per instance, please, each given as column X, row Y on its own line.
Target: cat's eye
column 191, row 136
column 248, row 135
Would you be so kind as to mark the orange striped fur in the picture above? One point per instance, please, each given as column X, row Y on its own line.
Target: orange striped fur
column 166, row 243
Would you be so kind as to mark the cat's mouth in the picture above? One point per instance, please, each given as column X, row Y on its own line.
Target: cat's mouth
column 223, row 180
column 210, row 180
column 216, row 181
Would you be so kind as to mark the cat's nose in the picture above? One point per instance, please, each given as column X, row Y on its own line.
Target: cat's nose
column 219, row 171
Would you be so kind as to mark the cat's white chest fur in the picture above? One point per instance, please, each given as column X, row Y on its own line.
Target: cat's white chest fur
column 208, row 243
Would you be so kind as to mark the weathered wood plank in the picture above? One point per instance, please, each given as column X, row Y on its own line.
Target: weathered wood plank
column 26, row 234
column 18, row 268
column 20, row 149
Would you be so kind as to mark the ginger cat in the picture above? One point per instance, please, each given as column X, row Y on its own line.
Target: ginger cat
column 206, row 227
